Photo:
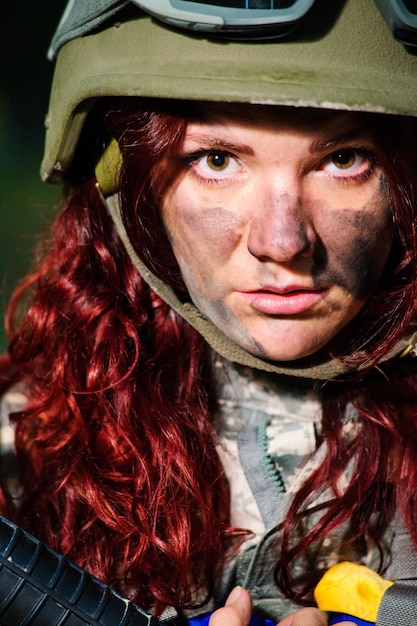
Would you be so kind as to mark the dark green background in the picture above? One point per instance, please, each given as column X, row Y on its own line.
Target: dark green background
column 26, row 203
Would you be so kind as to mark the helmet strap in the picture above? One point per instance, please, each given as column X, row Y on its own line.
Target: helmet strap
column 319, row 368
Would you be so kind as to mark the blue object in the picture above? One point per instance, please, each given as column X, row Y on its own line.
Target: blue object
column 336, row 618
column 256, row 620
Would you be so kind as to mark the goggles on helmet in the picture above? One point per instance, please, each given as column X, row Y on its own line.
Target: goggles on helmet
column 401, row 17
column 231, row 18
column 259, row 19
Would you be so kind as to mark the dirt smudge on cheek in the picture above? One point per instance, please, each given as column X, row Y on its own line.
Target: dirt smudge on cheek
column 213, row 231
column 353, row 248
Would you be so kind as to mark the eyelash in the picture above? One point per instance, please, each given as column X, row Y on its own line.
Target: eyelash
column 192, row 159
column 367, row 154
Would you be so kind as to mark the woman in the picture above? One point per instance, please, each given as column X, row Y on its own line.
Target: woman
column 213, row 383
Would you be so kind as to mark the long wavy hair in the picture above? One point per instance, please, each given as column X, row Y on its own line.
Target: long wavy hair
column 116, row 446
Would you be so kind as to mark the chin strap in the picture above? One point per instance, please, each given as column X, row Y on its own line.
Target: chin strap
column 317, row 368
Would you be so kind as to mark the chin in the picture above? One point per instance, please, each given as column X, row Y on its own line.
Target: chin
column 290, row 354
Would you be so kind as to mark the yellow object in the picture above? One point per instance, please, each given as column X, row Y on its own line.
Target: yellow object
column 108, row 169
column 353, row 589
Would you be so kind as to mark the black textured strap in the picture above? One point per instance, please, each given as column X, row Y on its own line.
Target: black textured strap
column 38, row 586
column 398, row 606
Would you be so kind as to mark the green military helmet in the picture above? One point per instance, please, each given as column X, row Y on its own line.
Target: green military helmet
column 357, row 55
column 337, row 54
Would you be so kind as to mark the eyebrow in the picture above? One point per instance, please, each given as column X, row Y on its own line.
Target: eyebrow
column 214, row 142
column 320, row 145
column 324, row 144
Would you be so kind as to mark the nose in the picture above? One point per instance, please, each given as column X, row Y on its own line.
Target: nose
column 279, row 230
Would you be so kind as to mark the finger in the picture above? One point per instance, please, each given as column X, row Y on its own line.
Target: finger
column 236, row 612
column 305, row 617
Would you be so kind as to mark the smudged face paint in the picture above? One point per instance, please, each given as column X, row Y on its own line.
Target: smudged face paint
column 281, row 226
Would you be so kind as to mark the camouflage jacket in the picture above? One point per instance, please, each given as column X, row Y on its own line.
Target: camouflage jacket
column 267, row 427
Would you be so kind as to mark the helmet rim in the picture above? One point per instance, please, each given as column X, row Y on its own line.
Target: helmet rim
column 350, row 67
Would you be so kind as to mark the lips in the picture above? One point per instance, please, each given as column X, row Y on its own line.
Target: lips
column 283, row 302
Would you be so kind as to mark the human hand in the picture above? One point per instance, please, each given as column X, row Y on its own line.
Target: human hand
column 309, row 617
column 238, row 609
column 236, row 612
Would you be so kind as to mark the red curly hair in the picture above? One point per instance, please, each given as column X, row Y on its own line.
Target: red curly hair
column 116, row 446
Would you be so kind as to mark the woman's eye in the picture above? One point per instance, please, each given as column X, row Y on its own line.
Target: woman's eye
column 218, row 161
column 216, row 165
column 349, row 162
column 344, row 159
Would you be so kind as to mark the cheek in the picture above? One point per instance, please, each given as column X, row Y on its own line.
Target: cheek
column 209, row 233
column 354, row 247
